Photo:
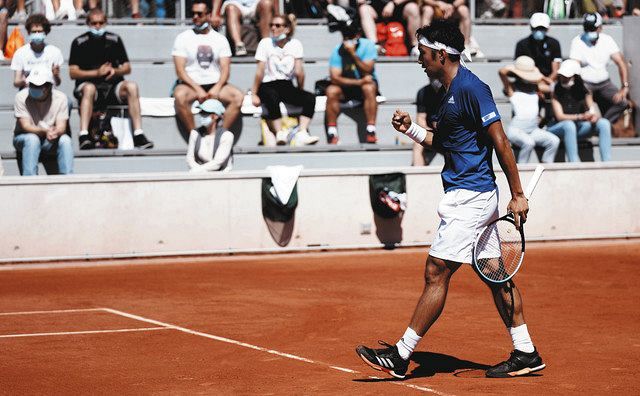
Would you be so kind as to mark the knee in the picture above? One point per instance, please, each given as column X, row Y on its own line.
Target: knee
column 265, row 6
column 182, row 98
column 411, row 10
column 232, row 11
column 527, row 144
column 31, row 140
column 366, row 12
column 436, row 271
column 131, row 88
column 369, row 90
column 463, row 11
column 235, row 98
column 554, row 141
column 603, row 126
column 568, row 126
column 427, row 12
column 64, row 141
column 88, row 90
column 333, row 92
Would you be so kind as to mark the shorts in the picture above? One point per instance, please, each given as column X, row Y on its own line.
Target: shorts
column 106, row 94
column 246, row 11
column 206, row 87
column 354, row 93
column 463, row 214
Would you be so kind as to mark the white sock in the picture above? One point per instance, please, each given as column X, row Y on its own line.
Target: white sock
column 332, row 130
column 371, row 128
column 521, row 339
column 138, row 132
column 408, row 343
column 83, row 132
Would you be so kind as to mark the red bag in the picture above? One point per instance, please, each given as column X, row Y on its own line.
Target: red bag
column 395, row 46
column 14, row 41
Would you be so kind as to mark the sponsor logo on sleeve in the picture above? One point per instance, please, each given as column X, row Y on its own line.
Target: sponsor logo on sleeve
column 489, row 116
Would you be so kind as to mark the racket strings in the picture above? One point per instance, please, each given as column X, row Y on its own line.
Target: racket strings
column 499, row 251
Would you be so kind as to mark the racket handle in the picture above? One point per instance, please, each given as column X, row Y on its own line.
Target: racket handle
column 534, row 181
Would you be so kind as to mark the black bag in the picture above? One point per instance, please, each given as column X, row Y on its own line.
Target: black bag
column 320, row 87
column 388, row 194
column 306, row 8
column 272, row 208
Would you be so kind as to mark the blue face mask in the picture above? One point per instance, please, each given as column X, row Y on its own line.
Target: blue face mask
column 592, row 36
column 97, row 32
column 279, row 37
column 205, row 120
column 202, row 27
column 36, row 92
column 37, row 38
column 539, row 35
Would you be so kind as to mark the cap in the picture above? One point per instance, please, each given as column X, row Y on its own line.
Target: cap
column 212, row 106
column 570, row 68
column 540, row 19
column 40, row 75
column 591, row 22
column 526, row 69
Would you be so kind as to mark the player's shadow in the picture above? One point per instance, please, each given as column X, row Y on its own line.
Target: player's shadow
column 430, row 364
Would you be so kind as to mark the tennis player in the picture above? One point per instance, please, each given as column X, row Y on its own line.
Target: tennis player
column 465, row 129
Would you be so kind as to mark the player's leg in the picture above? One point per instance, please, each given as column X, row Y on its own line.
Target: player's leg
column 394, row 359
column 525, row 358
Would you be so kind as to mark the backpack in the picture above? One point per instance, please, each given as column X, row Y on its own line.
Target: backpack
column 392, row 37
column 14, row 41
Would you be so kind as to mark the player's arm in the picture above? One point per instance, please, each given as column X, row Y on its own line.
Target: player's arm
column 518, row 204
column 402, row 123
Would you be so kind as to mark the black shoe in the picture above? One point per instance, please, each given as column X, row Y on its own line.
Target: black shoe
column 387, row 359
column 519, row 363
column 85, row 142
column 141, row 142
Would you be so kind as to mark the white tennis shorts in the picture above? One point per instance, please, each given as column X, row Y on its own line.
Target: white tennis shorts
column 463, row 214
column 247, row 7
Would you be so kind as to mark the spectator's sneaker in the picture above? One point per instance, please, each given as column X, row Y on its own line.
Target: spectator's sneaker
column 380, row 49
column 136, row 15
column 333, row 139
column 19, row 16
column 386, row 359
column 85, row 142
column 519, row 363
column 415, row 52
column 81, row 13
column 241, row 50
column 281, row 138
column 371, row 137
column 302, row 138
column 473, row 49
column 141, row 142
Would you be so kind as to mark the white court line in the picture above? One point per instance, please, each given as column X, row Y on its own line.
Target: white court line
column 258, row 348
column 82, row 332
column 50, row 312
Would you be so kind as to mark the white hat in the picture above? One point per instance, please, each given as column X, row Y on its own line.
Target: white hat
column 525, row 68
column 570, row 68
column 40, row 75
column 540, row 19
column 212, row 106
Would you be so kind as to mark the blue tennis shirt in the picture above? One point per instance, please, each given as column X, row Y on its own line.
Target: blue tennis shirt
column 465, row 112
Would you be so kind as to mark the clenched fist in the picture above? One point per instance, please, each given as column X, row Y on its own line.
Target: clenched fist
column 401, row 121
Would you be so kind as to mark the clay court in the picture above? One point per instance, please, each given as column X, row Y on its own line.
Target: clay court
column 288, row 324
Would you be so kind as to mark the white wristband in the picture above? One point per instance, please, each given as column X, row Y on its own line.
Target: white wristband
column 416, row 133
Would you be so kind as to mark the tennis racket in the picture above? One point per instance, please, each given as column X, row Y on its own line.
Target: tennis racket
column 498, row 251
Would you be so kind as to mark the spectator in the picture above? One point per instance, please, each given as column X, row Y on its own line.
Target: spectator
column 594, row 49
column 98, row 62
column 41, row 114
column 202, row 59
column 426, row 107
column 353, row 77
column 543, row 49
column 210, row 147
column 446, row 9
column 633, row 7
column 36, row 53
column 279, row 61
column 235, row 10
column 524, row 95
column 575, row 114
column 397, row 10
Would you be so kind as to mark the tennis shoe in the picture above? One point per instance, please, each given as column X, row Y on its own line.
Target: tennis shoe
column 387, row 359
column 141, row 142
column 519, row 363
column 282, row 138
column 333, row 139
column 302, row 138
column 85, row 142
column 371, row 138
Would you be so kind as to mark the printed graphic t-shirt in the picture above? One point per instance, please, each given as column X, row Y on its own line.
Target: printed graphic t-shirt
column 203, row 53
column 465, row 112
column 279, row 62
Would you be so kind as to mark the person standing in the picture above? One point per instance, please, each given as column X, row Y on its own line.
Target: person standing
column 279, row 61
column 466, row 129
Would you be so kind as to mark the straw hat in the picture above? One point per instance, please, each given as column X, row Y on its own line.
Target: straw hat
column 525, row 68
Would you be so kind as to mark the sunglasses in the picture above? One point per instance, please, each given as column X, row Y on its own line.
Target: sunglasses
column 277, row 25
column 97, row 23
column 199, row 13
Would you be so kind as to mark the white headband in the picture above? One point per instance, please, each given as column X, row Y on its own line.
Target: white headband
column 436, row 45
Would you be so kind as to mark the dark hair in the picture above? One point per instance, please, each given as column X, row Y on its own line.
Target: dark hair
column 445, row 31
column 95, row 11
column 578, row 87
column 38, row 19
column 205, row 2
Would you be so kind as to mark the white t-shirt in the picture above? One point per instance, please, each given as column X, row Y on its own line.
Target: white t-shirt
column 203, row 53
column 25, row 58
column 213, row 154
column 279, row 62
column 48, row 111
column 595, row 58
column 525, row 111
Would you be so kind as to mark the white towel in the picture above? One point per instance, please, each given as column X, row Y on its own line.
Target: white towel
column 321, row 105
column 162, row 107
column 284, row 179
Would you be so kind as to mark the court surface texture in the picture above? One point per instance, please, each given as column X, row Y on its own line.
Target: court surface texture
column 288, row 324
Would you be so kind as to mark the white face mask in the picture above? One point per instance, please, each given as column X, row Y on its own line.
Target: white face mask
column 205, row 121
column 568, row 84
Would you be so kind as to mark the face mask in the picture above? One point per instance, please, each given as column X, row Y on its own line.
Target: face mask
column 279, row 37
column 592, row 36
column 97, row 32
column 37, row 38
column 202, row 27
column 568, row 84
column 205, row 121
column 539, row 35
column 36, row 93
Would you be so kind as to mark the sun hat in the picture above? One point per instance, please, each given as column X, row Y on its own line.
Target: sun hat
column 569, row 68
column 525, row 68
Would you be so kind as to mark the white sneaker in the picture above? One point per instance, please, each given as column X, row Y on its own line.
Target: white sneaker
column 281, row 138
column 474, row 49
column 19, row 16
column 415, row 51
column 302, row 138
